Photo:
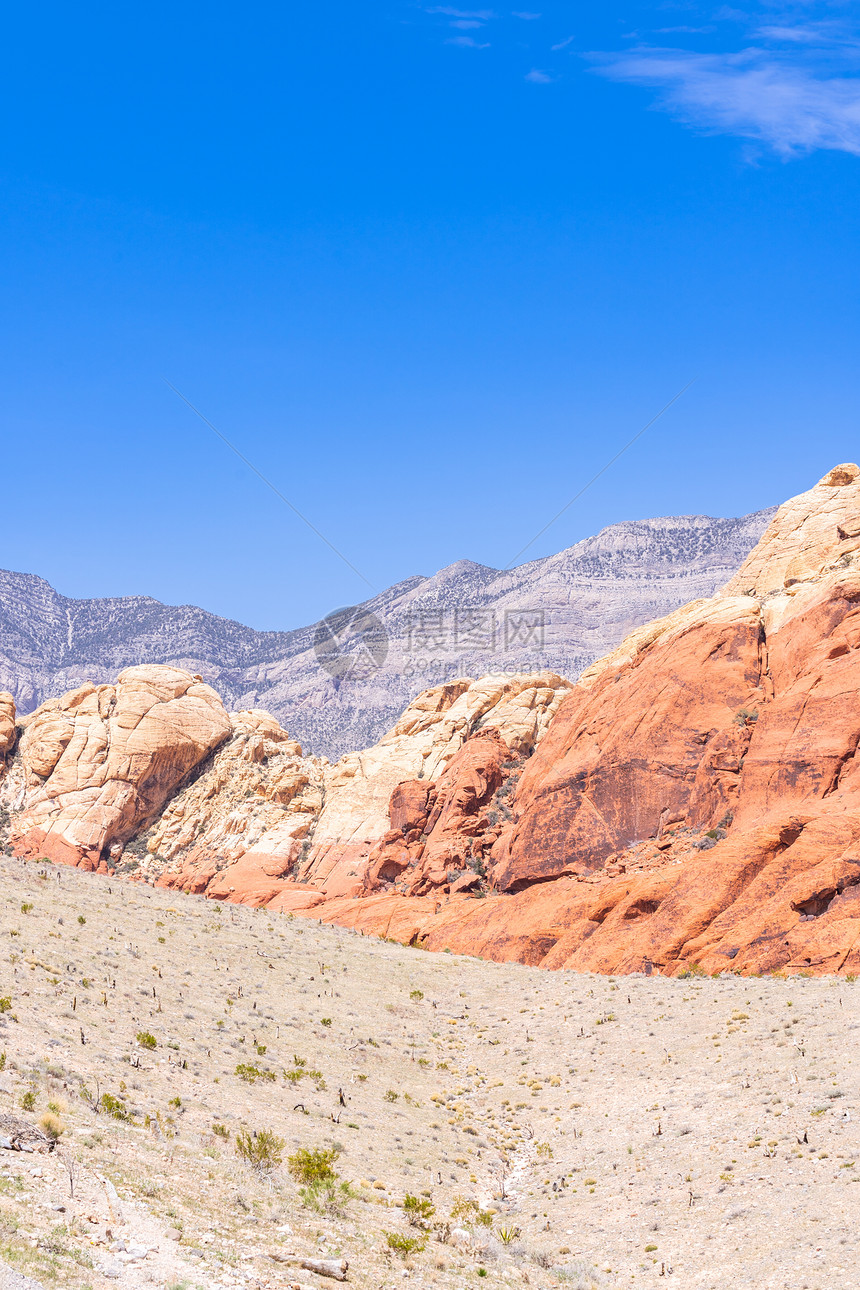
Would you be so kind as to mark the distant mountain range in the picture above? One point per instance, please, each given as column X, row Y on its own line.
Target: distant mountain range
column 338, row 686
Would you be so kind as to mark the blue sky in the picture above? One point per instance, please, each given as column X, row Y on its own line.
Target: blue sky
column 428, row 267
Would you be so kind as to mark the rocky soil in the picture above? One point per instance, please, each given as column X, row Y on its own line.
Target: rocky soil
column 558, row 613
column 565, row 1129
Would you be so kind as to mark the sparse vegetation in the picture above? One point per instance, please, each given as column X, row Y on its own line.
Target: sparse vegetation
column 250, row 1074
column 261, row 1149
column 418, row 1210
column 313, row 1167
column 114, row 1107
column 175, row 1129
column 404, row 1245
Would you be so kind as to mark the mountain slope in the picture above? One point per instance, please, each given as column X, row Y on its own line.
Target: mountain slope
column 558, row 613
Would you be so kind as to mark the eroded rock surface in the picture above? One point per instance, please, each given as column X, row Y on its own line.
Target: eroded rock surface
column 285, row 817
column 94, row 765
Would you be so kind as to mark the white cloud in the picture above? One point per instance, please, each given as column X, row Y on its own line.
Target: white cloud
column 562, row 44
column 538, row 77
column 528, row 17
column 467, row 42
column 484, row 15
column 798, row 98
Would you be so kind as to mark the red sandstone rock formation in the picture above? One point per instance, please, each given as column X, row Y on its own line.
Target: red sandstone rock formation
column 697, row 798
column 441, row 833
column 694, row 804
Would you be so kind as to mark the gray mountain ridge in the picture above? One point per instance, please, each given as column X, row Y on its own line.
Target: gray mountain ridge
column 559, row 612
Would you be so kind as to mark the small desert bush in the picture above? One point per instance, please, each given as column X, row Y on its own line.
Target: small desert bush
column 469, row 1212
column 146, row 1040
column 312, row 1167
column 321, row 1188
column 52, row 1126
column 262, row 1149
column 418, row 1210
column 250, row 1074
column 113, row 1107
column 404, row 1245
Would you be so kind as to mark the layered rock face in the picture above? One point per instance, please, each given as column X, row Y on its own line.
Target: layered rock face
column 288, row 822
column 241, row 826
column 697, row 798
column 93, row 766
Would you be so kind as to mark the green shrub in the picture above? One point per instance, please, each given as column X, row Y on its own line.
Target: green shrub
column 404, row 1245
column 262, row 1149
column 312, row 1167
column 250, row 1074
column 418, row 1210
column 391, row 1096
column 26, row 907
column 81, row 919
column 326, row 1021
column 146, row 1040
column 6, row 1004
column 221, row 1130
column 113, row 1107
column 28, row 1100
column 416, row 995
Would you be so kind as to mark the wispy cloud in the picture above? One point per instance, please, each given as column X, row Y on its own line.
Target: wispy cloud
column 684, row 31
column 467, row 42
column 527, row 17
column 483, row 15
column 562, row 44
column 537, row 77
column 796, row 89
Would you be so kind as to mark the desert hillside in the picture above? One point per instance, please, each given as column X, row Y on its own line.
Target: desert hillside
column 553, row 1129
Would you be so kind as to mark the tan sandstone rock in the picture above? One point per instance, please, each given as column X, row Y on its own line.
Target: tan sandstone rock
column 258, row 786
column 7, row 723
column 96, row 764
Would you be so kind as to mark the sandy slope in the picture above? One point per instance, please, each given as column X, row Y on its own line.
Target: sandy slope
column 699, row 1129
